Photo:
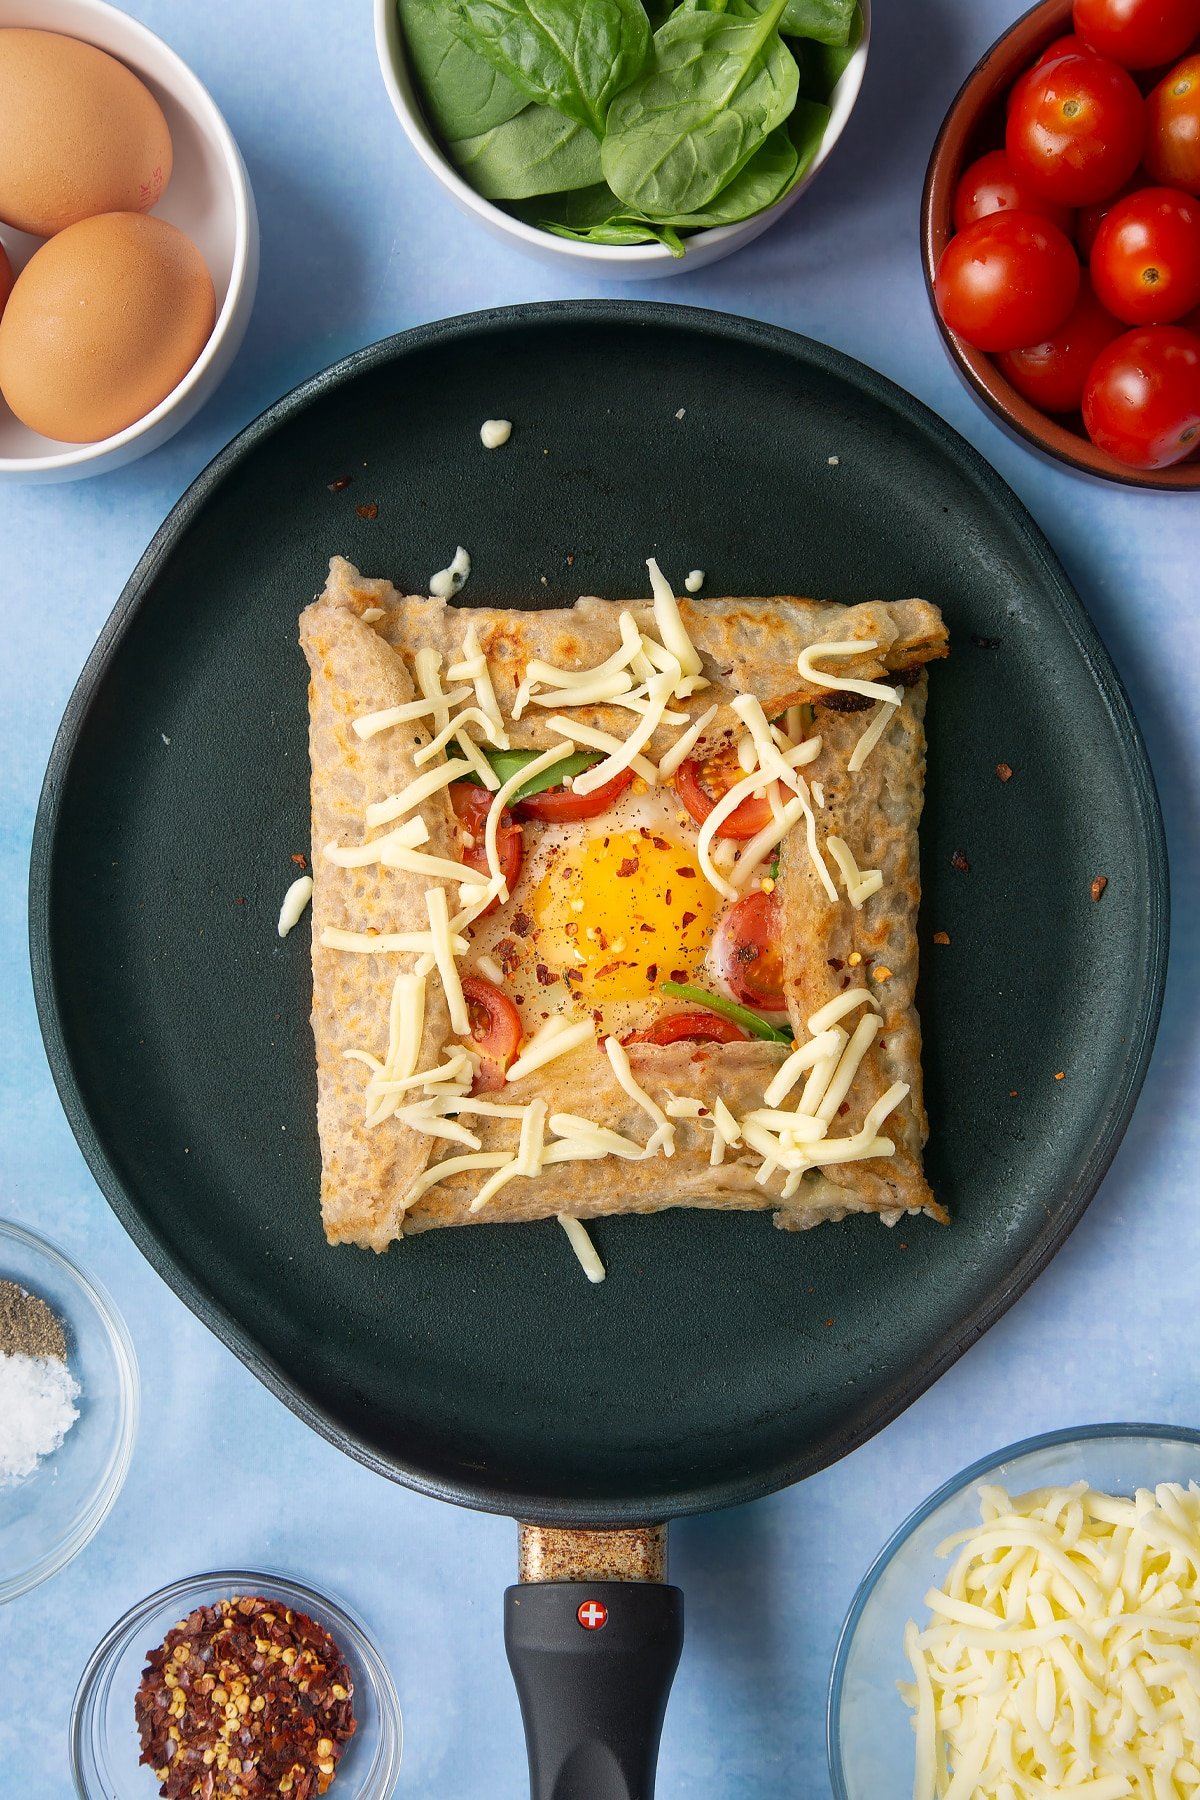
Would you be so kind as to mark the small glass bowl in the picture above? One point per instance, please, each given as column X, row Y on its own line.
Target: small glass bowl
column 869, row 1735
column 47, row 1518
column 103, row 1735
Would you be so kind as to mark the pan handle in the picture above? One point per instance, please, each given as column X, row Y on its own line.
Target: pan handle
column 593, row 1635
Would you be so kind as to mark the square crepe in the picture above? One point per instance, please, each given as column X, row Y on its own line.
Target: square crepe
column 796, row 725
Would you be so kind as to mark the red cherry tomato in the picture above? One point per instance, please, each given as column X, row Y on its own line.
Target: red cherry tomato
column 1146, row 258
column 701, row 784
column 705, row 1027
column 989, row 186
column 1139, row 34
column 1076, row 129
column 495, row 1030
column 560, row 805
column 1089, row 219
column 1173, row 127
column 1053, row 375
column 472, row 802
column 1142, row 400
column 1070, row 45
column 746, row 952
column 1008, row 280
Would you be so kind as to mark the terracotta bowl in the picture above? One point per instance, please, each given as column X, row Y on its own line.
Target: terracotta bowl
column 975, row 123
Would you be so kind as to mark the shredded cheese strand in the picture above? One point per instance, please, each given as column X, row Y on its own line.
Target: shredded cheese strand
column 382, row 812
column 368, row 725
column 443, row 955
column 671, row 628
column 582, row 1245
column 880, row 720
column 384, row 943
column 684, row 744
column 847, row 684
column 600, row 740
column 860, row 884
column 663, row 1135
column 556, row 1037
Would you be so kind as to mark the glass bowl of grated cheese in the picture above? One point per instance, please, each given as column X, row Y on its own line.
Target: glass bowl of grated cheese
column 68, row 1408
column 1033, row 1628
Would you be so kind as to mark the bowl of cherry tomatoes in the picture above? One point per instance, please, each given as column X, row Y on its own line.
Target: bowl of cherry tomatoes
column 1060, row 228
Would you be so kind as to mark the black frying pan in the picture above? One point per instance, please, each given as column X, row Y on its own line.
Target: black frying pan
column 721, row 1359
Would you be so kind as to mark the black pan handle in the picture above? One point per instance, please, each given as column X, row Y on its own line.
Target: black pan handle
column 593, row 1662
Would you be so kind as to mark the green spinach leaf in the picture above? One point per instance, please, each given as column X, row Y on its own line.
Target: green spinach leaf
column 594, row 215
column 461, row 92
column 621, row 230
column 769, row 173
column 538, row 152
column 825, row 21
column 806, row 128
column 823, row 65
column 566, row 54
column 715, row 89
column 508, row 763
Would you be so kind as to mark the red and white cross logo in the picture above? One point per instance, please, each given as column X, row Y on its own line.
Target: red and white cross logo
column 592, row 1615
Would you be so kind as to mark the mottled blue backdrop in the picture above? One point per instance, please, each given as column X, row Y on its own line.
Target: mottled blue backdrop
column 357, row 242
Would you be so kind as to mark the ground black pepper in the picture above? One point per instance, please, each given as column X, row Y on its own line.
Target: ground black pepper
column 28, row 1327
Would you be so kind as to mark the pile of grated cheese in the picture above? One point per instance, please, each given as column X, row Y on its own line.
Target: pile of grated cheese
column 1062, row 1657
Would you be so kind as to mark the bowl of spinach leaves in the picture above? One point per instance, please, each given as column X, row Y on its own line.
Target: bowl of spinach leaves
column 646, row 138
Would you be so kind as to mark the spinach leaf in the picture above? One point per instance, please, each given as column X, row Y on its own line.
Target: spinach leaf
column 729, row 1009
column 571, row 56
column 716, row 87
column 825, row 21
column 823, row 65
column 623, row 229
column 506, row 763
column 538, row 152
column 769, row 173
column 806, row 128
column 461, row 92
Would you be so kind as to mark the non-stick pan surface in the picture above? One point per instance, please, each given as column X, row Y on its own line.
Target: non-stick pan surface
column 721, row 1358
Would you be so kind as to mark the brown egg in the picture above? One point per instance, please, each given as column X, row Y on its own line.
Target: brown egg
column 6, row 278
column 79, row 134
column 101, row 324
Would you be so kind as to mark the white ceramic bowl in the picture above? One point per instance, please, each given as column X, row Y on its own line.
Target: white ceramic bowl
column 208, row 197
column 614, row 262
column 47, row 1518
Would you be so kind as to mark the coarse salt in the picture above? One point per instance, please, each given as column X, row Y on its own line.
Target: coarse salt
column 37, row 1409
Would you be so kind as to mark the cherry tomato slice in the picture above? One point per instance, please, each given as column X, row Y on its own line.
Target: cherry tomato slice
column 1173, row 127
column 988, row 186
column 701, row 784
column 705, row 1027
column 1076, row 129
column 560, row 805
column 1139, row 34
column 495, row 1030
column 746, row 952
column 1054, row 374
column 1142, row 400
column 1007, row 280
column 472, row 803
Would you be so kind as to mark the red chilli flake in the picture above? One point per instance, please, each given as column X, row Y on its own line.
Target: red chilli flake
column 686, row 874
column 299, row 858
column 368, row 511
column 628, row 866
column 958, row 861
column 244, row 1699
column 1099, row 883
column 343, row 481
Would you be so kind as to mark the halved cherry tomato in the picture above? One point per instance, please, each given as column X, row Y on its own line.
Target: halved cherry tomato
column 988, row 186
column 746, row 952
column 472, row 803
column 701, row 784
column 1139, row 34
column 1142, row 400
column 1054, row 374
column 561, row 805
column 495, row 1030
column 1173, row 127
column 1076, row 129
column 705, row 1027
column 1008, row 280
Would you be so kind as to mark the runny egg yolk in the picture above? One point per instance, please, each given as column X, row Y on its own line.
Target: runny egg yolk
column 617, row 913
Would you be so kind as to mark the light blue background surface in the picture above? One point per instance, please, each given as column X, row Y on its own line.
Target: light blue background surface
column 358, row 242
